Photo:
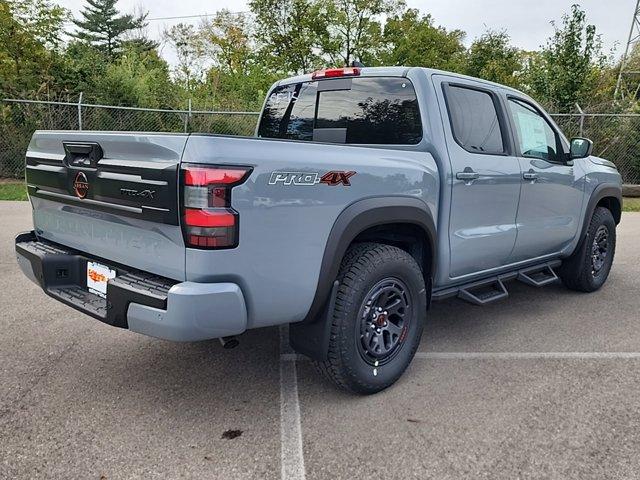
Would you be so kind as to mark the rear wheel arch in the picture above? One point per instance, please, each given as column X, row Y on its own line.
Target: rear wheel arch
column 410, row 237
column 388, row 220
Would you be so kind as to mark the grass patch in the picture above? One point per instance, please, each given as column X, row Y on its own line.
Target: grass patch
column 631, row 205
column 13, row 191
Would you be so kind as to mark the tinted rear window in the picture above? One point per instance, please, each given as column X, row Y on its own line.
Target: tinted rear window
column 363, row 111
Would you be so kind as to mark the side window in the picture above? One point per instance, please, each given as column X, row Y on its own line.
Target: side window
column 536, row 138
column 289, row 112
column 474, row 120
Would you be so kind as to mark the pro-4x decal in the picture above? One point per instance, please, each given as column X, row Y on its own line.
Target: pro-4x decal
column 332, row 178
column 337, row 178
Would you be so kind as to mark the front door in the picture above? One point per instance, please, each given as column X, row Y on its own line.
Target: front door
column 486, row 178
column 551, row 198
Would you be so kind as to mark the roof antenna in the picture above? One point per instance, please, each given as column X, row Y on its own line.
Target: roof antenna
column 358, row 64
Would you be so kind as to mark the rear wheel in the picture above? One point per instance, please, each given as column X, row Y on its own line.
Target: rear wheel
column 378, row 318
column 588, row 268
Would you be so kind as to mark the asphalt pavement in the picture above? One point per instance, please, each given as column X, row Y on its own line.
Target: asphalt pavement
column 545, row 384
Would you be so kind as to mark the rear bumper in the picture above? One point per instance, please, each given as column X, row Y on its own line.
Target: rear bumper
column 140, row 301
column 195, row 311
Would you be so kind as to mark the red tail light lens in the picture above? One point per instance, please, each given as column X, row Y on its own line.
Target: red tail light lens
column 204, row 176
column 207, row 218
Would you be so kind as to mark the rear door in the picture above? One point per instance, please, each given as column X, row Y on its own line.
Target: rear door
column 110, row 195
column 551, row 201
column 486, row 180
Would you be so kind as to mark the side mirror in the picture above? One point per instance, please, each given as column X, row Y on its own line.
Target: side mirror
column 580, row 148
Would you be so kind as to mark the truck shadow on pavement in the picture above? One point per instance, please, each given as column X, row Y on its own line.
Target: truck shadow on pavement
column 190, row 375
column 257, row 356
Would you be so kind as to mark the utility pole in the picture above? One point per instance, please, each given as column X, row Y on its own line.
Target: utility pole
column 628, row 79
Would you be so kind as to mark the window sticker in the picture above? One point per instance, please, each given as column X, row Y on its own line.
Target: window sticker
column 533, row 137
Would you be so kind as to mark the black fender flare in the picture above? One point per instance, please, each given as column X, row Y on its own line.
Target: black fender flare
column 311, row 335
column 604, row 190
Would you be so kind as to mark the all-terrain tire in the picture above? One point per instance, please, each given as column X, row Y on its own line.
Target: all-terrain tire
column 364, row 268
column 587, row 270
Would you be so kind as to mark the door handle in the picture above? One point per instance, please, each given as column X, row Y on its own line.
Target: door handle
column 533, row 176
column 467, row 175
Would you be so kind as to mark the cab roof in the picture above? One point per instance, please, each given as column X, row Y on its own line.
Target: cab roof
column 398, row 72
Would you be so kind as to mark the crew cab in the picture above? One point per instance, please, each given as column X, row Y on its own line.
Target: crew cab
column 365, row 194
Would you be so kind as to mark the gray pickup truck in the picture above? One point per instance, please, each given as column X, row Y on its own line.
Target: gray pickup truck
column 366, row 194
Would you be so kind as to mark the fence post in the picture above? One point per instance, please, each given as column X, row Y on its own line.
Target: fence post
column 186, row 119
column 581, row 120
column 80, row 111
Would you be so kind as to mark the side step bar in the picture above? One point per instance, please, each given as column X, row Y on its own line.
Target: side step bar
column 492, row 289
column 483, row 292
column 538, row 277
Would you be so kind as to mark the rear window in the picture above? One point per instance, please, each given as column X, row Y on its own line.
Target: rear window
column 346, row 110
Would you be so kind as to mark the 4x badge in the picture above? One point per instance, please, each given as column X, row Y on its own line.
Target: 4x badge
column 332, row 178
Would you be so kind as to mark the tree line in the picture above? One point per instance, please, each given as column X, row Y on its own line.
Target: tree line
column 229, row 60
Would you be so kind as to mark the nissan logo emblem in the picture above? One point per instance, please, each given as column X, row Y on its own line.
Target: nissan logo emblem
column 80, row 185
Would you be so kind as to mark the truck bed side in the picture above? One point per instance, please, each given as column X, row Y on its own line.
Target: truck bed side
column 286, row 218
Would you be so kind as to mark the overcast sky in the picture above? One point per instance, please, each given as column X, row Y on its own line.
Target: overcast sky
column 526, row 21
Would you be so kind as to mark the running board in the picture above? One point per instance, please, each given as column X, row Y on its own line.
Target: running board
column 484, row 292
column 488, row 290
column 538, row 276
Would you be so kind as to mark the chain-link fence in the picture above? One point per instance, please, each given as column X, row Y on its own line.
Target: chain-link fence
column 20, row 118
column 616, row 136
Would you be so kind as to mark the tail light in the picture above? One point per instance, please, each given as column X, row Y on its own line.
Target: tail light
column 207, row 217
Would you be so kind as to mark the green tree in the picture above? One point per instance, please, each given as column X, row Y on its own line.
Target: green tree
column 29, row 41
column 81, row 69
column 630, row 86
column 289, row 33
column 137, row 79
column 567, row 70
column 634, row 58
column 41, row 18
column 228, row 41
column 189, row 47
column 219, row 65
column 237, row 77
column 228, row 91
column 354, row 29
column 426, row 46
column 104, row 27
column 493, row 58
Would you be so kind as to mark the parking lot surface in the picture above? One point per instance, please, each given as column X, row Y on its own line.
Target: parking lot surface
column 543, row 385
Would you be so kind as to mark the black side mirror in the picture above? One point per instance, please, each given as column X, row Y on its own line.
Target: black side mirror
column 580, row 148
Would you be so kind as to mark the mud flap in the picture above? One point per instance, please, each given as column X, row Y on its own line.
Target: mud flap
column 312, row 338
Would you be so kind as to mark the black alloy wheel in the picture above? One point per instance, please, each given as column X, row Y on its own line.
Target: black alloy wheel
column 384, row 320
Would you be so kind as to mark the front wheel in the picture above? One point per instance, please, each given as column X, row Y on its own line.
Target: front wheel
column 588, row 268
column 378, row 318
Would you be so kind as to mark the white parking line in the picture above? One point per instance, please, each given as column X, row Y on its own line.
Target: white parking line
column 526, row 355
column 292, row 357
column 291, row 454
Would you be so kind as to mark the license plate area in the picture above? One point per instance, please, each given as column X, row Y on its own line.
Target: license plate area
column 97, row 277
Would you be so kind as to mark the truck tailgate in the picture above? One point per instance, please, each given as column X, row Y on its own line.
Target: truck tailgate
column 110, row 195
